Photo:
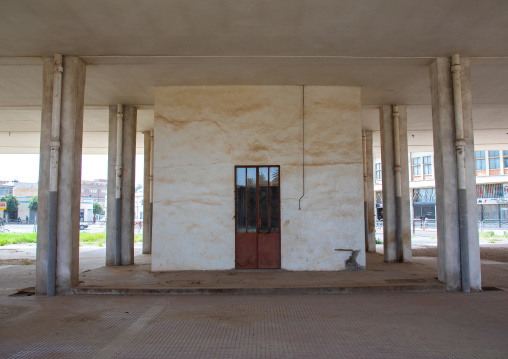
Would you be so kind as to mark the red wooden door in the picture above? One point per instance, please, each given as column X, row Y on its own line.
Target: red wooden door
column 257, row 213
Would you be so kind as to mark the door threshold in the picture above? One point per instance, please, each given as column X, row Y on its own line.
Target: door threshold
column 256, row 270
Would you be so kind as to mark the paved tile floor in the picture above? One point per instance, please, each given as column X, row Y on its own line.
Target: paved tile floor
column 389, row 325
column 394, row 325
column 368, row 325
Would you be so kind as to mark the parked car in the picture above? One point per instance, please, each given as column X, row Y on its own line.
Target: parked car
column 82, row 225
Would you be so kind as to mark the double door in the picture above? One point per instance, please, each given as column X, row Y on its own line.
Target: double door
column 257, row 213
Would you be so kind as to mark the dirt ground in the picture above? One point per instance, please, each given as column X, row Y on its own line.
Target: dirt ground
column 20, row 261
column 488, row 252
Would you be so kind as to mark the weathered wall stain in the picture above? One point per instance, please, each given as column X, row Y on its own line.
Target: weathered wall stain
column 182, row 202
column 332, row 104
column 330, row 163
column 179, row 125
column 256, row 147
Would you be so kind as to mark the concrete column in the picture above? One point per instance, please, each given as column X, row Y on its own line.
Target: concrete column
column 396, row 208
column 128, row 186
column 147, row 210
column 405, row 206
column 450, row 268
column 369, row 207
column 69, row 173
column 152, row 164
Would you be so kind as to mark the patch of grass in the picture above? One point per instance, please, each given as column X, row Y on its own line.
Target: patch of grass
column 98, row 238
column 487, row 235
column 92, row 238
column 17, row 238
column 492, row 236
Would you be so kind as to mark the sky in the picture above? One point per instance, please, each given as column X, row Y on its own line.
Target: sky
column 25, row 168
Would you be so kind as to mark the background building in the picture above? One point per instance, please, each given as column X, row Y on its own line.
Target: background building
column 91, row 192
column 24, row 192
column 491, row 187
column 96, row 189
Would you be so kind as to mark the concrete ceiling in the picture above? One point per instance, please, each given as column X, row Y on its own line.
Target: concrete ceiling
column 131, row 47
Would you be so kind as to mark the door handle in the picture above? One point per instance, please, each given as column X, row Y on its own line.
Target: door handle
column 259, row 222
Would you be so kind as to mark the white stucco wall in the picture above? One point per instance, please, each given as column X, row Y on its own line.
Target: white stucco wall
column 201, row 133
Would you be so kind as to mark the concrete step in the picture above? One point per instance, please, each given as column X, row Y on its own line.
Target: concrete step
column 408, row 287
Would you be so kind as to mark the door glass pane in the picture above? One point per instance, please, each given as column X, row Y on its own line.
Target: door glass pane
column 241, row 206
column 263, row 199
column 251, row 200
column 274, row 199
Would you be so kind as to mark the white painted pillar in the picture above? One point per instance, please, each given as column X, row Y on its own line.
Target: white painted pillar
column 127, row 198
column 396, row 206
column 69, row 175
column 447, row 190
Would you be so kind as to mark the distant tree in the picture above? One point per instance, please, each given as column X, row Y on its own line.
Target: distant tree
column 32, row 205
column 12, row 204
column 97, row 208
